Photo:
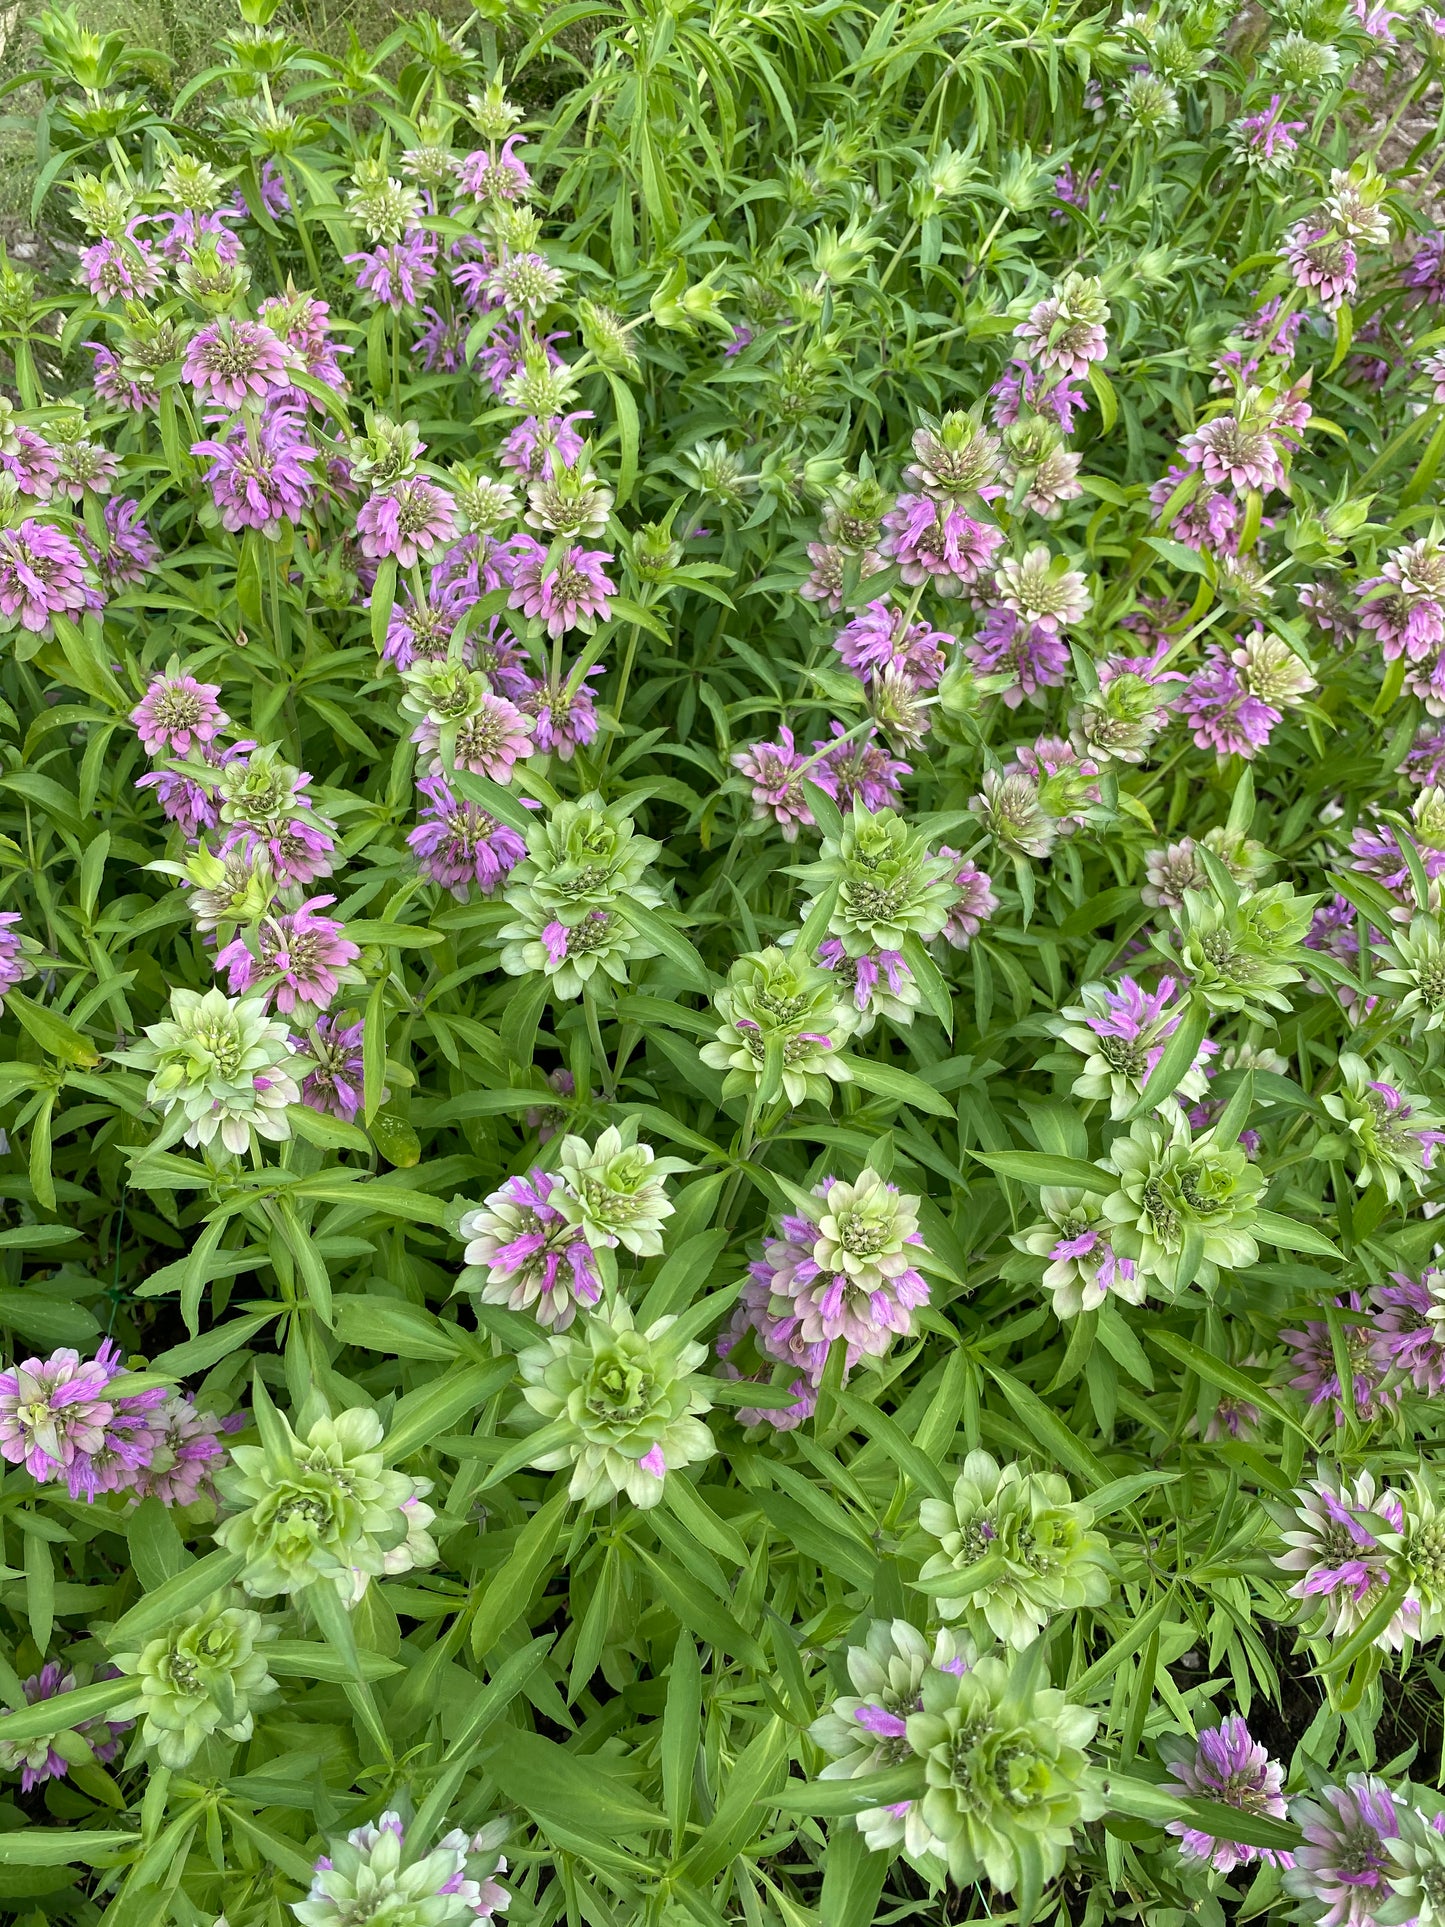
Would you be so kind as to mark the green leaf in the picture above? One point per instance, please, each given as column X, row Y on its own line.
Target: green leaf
column 681, row 1731
column 1289, row 1234
column 668, row 941
column 902, row 1087
column 1175, row 1060
column 510, row 1588
column 177, row 1596
column 426, row 1413
column 393, row 1326
column 1042, row 1167
column 61, row 1846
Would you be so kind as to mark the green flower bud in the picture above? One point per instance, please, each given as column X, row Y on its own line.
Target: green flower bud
column 775, row 1003
column 325, row 1507
column 613, row 1190
column 1024, row 1544
column 202, row 1676
column 1184, row 1205
column 619, row 1406
column 1392, row 1133
column 889, row 883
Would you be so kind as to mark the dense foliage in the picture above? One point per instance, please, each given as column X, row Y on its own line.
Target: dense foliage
column 723, row 986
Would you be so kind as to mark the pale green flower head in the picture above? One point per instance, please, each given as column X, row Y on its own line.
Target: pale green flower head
column 379, row 1875
column 774, row 1001
column 867, row 1230
column 1184, row 1205
column 1423, row 1554
column 325, row 1507
column 1390, row 1133
column 623, row 1405
column 261, row 788
column 889, row 883
column 220, row 1067
column 1416, row 1869
column 581, row 856
column 203, row 1675
column 444, row 691
column 862, row 1731
column 1134, row 1027
column 1419, row 966
column 613, row 1190
column 595, row 948
column 1007, row 1781
column 1241, row 957
column 1025, row 1544
column 1077, row 1239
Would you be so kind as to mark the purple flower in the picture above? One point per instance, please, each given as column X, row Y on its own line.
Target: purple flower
column 1375, row 851
column 1424, row 764
column 1233, row 1770
column 773, row 770
column 304, row 324
column 397, row 274
column 58, row 1415
column 186, row 1451
column 458, row 845
column 177, row 712
column 860, row 770
column 42, row 574
column 32, row 461
column 535, row 1258
column 1323, row 263
column 407, row 521
column 538, row 449
column 489, row 179
column 1266, row 139
column 1207, row 521
column 121, row 270
column 974, row 907
column 1316, row 1374
column 866, row 973
column 233, row 362
column 880, row 639
column 1343, row 1869
column 121, row 387
column 1426, row 272
column 37, row 1760
column 298, row 852
column 938, row 542
column 1022, row 386
column 813, row 1307
column 131, row 554
column 824, row 581
column 187, row 230
column 309, row 955
column 1341, row 1542
column 1232, row 453
column 1033, row 657
column 271, row 186
column 563, row 720
column 572, row 595
column 1409, row 1333
column 334, row 1087
column 259, row 473
column 488, row 743
column 442, row 343
column 14, row 967
column 1220, row 711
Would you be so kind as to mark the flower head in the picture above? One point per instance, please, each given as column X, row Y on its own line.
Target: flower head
column 233, row 362
column 523, row 1252
column 219, row 1068
column 1231, row 1769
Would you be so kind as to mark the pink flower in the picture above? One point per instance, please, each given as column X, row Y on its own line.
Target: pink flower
column 259, row 472
column 538, row 449
column 185, row 1454
column 572, row 595
column 777, row 788
column 489, row 180
column 1206, row 522
column 131, row 554
column 974, row 907
column 879, row 639
column 1322, row 263
column 334, row 1086
column 233, row 362
column 176, row 712
column 397, row 274
column 458, row 845
column 42, row 573
column 938, row 542
column 859, row 770
column 564, row 720
column 38, row 1759
column 1232, row 453
column 407, row 521
column 1220, row 711
column 124, row 270
column 58, row 1415
column 1030, row 654
column 1233, row 1770
column 309, row 954
column 489, row 743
